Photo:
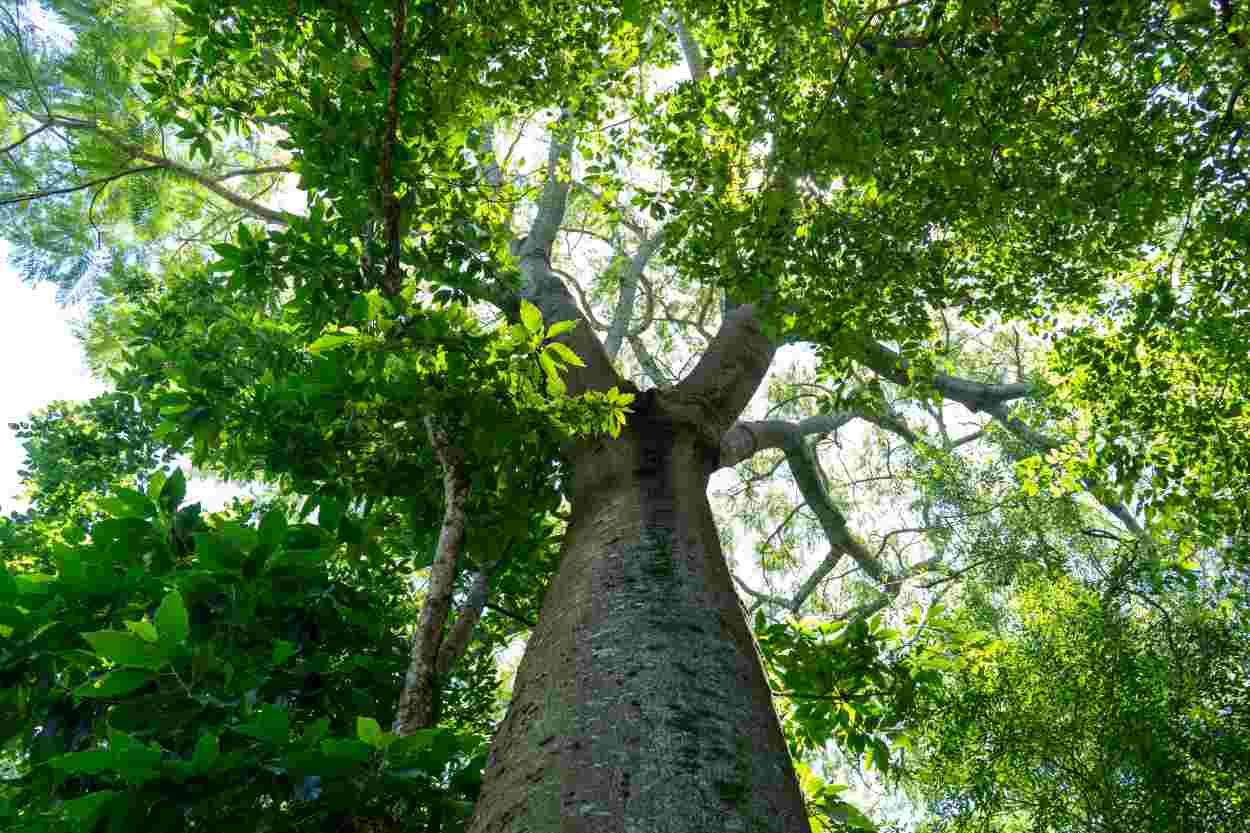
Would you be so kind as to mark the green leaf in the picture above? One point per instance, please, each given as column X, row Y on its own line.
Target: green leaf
column 85, row 811
column 134, row 760
column 271, row 724
column 172, row 620
column 330, row 341
column 282, row 651
column 127, row 503
column 531, row 318
column 207, row 751
column 116, row 683
column 565, row 354
column 368, row 730
column 143, row 629
column 125, row 649
column 329, row 514
column 560, row 328
column 174, row 490
column 89, row 762
column 272, row 530
column 350, row 749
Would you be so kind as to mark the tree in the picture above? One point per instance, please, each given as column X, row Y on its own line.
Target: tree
column 1088, row 714
column 844, row 175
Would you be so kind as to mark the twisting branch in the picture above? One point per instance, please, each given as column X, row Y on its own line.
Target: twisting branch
column 212, row 183
column 746, row 439
column 631, row 276
column 418, row 698
column 542, row 287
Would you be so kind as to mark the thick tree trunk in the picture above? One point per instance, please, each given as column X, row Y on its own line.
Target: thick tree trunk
column 641, row 704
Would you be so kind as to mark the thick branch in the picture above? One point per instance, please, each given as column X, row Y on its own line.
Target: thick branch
column 745, row 439
column 544, row 289
column 806, row 471
column 270, row 215
column 211, row 183
column 730, row 371
column 417, row 699
column 470, row 613
column 691, row 50
column 648, row 362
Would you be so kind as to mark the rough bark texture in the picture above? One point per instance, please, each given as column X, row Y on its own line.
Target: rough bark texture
column 641, row 704
column 417, row 698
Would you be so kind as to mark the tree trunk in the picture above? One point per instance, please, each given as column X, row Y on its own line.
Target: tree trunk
column 641, row 704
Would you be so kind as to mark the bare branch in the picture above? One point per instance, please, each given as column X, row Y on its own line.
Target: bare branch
column 32, row 134
column 976, row 396
column 691, row 50
column 470, row 613
column 542, row 287
column 417, row 699
column 267, row 169
column 806, row 470
column 51, row 192
column 630, row 278
column 745, row 439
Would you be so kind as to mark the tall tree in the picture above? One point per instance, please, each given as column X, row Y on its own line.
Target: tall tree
column 851, row 176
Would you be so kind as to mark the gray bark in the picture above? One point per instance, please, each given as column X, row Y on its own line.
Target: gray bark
column 418, row 697
column 641, row 703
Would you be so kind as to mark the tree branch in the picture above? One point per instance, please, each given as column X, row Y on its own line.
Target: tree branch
column 417, row 700
column 392, row 281
column 806, row 470
column 745, row 439
column 213, row 184
column 470, row 613
column 730, row 370
column 976, row 396
column 267, row 169
column 630, row 278
column 32, row 134
column 52, row 192
column 543, row 288
column 690, row 49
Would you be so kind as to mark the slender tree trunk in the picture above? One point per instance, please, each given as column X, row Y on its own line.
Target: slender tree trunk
column 641, row 704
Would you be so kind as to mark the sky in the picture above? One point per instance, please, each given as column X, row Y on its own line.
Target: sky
column 40, row 361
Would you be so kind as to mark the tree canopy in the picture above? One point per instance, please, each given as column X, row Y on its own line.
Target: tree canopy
column 403, row 262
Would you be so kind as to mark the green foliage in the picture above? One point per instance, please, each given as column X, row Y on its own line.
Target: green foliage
column 855, row 169
column 1093, row 711
column 197, row 693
